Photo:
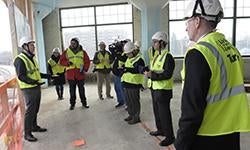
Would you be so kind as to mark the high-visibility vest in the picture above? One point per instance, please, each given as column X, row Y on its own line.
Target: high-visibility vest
column 157, row 66
column 151, row 55
column 32, row 71
column 55, row 67
column 132, row 78
column 77, row 59
column 227, row 109
column 104, row 61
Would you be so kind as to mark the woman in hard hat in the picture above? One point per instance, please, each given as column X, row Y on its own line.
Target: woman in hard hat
column 132, row 80
column 161, row 75
column 58, row 71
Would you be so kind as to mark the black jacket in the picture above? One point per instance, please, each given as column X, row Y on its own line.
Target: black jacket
column 168, row 67
column 61, row 76
column 97, row 61
column 193, row 102
column 115, row 69
column 137, row 69
column 21, row 69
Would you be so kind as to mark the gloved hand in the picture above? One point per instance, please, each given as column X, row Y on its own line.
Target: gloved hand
column 70, row 63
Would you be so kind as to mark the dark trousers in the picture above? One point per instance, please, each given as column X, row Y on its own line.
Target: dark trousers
column 132, row 96
column 32, row 101
column 72, row 91
column 59, row 90
column 223, row 142
column 162, row 112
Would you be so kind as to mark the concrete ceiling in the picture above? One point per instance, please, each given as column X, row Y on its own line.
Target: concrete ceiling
column 72, row 3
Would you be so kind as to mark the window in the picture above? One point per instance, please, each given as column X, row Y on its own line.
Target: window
column 178, row 37
column 243, row 36
column 77, row 17
column 178, row 40
column 243, row 8
column 226, row 27
column 86, row 36
column 113, row 14
column 97, row 23
column 5, row 37
column 114, row 32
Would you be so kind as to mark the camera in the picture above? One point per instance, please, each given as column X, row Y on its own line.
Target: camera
column 117, row 48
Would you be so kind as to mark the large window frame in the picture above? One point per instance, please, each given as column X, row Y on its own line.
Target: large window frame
column 97, row 25
column 228, row 17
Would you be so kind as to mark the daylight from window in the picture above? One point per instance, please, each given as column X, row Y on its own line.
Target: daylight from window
column 95, row 24
column 178, row 37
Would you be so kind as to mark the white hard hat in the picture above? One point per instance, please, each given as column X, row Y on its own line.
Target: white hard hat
column 102, row 43
column 56, row 50
column 25, row 40
column 160, row 35
column 129, row 47
column 137, row 44
column 210, row 10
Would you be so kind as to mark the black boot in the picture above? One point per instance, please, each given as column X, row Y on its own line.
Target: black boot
column 30, row 138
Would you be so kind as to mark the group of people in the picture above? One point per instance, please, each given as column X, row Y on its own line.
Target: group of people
column 214, row 105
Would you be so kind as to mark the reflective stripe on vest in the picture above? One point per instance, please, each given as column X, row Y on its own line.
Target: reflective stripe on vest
column 104, row 61
column 55, row 67
column 226, row 91
column 32, row 71
column 77, row 59
column 132, row 78
column 157, row 67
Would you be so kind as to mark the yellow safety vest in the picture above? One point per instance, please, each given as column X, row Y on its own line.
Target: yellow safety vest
column 104, row 61
column 32, row 71
column 151, row 57
column 56, row 67
column 157, row 66
column 227, row 109
column 131, row 77
column 77, row 59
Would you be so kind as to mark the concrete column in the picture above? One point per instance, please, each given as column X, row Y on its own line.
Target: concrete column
column 40, row 11
column 150, row 23
column 151, row 20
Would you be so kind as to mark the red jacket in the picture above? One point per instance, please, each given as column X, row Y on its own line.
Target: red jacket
column 75, row 74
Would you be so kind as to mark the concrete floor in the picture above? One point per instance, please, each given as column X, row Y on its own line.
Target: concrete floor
column 101, row 125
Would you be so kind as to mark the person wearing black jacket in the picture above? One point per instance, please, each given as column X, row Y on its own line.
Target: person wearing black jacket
column 57, row 70
column 161, row 75
column 29, row 79
column 132, row 80
column 214, row 105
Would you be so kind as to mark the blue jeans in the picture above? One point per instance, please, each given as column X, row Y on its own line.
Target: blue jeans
column 119, row 90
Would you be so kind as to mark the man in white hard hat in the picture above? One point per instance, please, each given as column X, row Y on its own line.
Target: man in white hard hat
column 58, row 70
column 29, row 80
column 214, row 103
column 103, row 61
column 161, row 76
column 132, row 80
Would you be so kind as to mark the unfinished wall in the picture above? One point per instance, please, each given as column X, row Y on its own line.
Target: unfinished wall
column 51, row 30
column 137, row 24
